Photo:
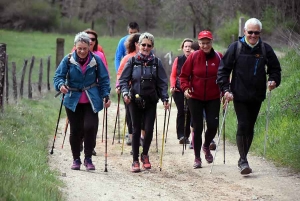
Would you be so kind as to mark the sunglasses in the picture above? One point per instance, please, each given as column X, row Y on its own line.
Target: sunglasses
column 93, row 39
column 144, row 45
column 253, row 32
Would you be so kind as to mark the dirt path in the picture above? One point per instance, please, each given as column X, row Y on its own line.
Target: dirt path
column 177, row 180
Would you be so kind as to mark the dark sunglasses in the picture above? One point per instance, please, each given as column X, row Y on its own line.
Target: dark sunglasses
column 148, row 45
column 93, row 39
column 253, row 32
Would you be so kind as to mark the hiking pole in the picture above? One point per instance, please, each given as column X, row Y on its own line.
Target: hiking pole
column 117, row 115
column 66, row 128
column 168, row 119
column 222, row 125
column 103, row 119
column 156, row 132
column 62, row 99
column 224, row 137
column 124, row 134
column 267, row 123
column 105, row 169
column 163, row 140
column 185, row 118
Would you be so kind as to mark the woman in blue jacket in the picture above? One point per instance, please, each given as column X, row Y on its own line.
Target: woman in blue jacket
column 84, row 82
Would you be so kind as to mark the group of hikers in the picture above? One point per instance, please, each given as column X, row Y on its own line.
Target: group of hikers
column 201, row 80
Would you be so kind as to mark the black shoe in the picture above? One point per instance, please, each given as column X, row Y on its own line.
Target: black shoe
column 212, row 145
column 94, row 153
column 181, row 140
column 244, row 168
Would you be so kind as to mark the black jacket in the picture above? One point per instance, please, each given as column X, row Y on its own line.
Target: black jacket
column 136, row 74
column 248, row 80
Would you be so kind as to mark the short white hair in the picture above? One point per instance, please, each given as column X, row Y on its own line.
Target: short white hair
column 148, row 36
column 82, row 37
column 253, row 21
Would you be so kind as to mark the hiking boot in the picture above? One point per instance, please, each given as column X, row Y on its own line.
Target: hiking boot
column 129, row 141
column 76, row 164
column 135, row 166
column 94, row 153
column 197, row 163
column 89, row 164
column 145, row 161
column 212, row 145
column 208, row 156
column 244, row 167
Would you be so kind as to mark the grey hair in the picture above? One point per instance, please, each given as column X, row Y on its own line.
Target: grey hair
column 148, row 36
column 253, row 21
column 82, row 37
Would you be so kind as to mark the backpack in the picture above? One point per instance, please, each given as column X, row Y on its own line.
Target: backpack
column 147, row 84
column 239, row 47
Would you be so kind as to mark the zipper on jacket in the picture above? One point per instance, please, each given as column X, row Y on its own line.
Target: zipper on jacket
column 255, row 67
column 206, row 64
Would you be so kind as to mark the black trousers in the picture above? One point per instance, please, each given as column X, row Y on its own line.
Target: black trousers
column 246, row 113
column 139, row 117
column 212, row 109
column 128, row 119
column 180, row 119
column 83, row 121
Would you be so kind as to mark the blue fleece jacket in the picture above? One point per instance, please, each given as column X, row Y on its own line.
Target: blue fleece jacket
column 77, row 80
column 120, row 52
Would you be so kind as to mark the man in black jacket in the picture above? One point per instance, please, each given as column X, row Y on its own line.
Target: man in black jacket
column 247, row 88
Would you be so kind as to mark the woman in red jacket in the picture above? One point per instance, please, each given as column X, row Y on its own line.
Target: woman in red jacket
column 198, row 81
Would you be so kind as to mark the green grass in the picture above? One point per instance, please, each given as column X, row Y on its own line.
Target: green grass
column 283, row 141
column 25, row 129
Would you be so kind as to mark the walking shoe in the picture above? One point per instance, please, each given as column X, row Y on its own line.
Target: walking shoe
column 181, row 140
column 128, row 141
column 89, row 164
column 94, row 153
column 145, row 161
column 191, row 146
column 76, row 164
column 135, row 166
column 212, row 145
column 244, row 168
column 187, row 141
column 141, row 142
column 197, row 163
column 208, row 156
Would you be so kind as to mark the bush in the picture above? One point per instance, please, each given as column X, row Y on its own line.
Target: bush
column 33, row 15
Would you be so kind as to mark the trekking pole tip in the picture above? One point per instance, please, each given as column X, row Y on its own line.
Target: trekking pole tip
column 51, row 152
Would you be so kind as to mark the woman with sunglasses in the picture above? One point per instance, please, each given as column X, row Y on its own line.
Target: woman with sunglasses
column 143, row 81
column 248, row 86
column 198, row 82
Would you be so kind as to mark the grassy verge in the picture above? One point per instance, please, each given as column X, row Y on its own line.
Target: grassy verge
column 25, row 129
column 284, row 119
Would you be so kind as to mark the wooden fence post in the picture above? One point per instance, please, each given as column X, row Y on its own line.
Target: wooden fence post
column 6, row 80
column 29, row 78
column 60, row 43
column 2, row 72
column 241, row 26
column 14, row 81
column 40, row 77
column 22, row 78
column 48, row 72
